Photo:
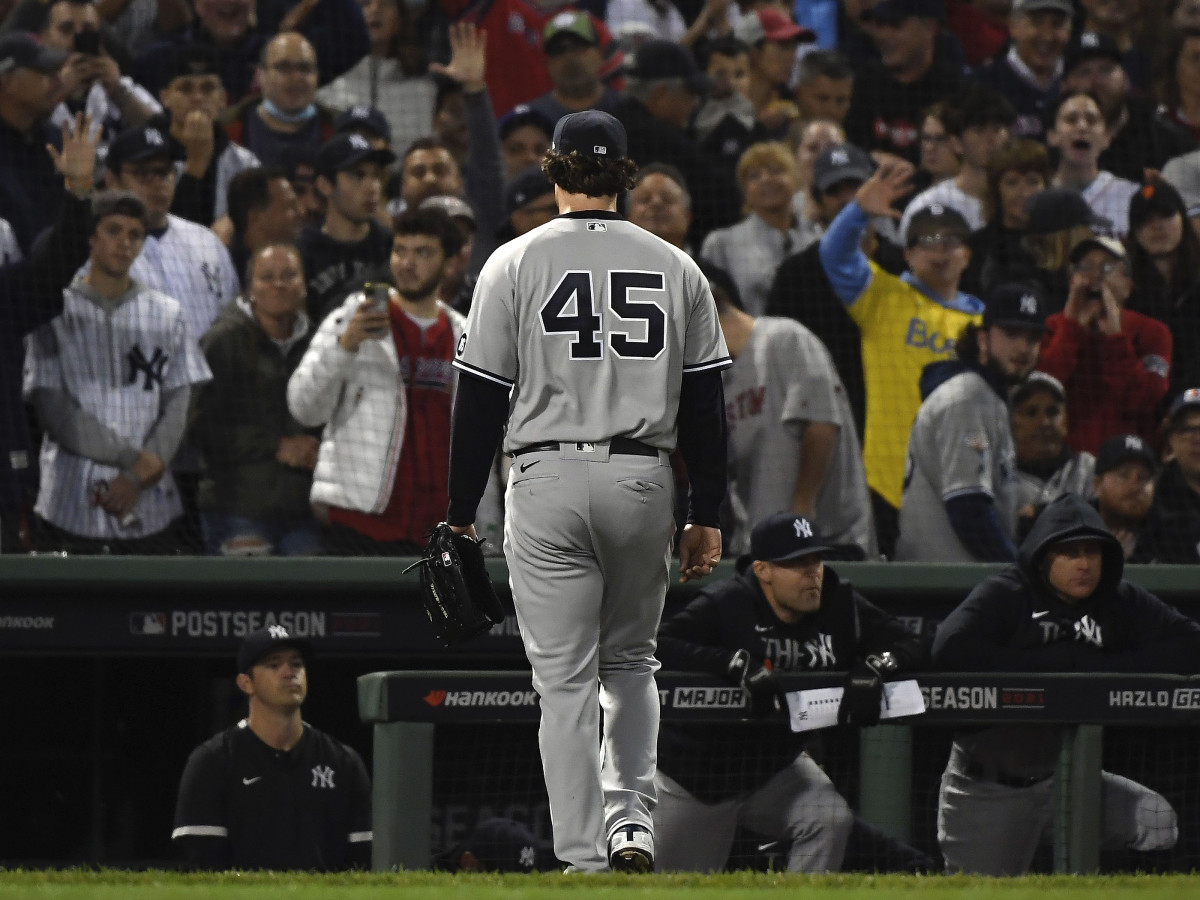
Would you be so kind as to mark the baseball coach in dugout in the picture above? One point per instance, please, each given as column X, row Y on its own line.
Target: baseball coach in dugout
column 597, row 345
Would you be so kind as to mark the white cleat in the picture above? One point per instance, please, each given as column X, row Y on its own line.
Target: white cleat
column 631, row 849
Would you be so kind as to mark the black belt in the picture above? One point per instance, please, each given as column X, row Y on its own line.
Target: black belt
column 976, row 770
column 618, row 446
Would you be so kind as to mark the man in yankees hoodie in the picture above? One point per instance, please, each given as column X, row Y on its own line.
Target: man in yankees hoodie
column 783, row 611
column 1062, row 607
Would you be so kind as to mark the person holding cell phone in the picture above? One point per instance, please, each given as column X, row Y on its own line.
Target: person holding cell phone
column 378, row 376
column 92, row 79
column 1114, row 363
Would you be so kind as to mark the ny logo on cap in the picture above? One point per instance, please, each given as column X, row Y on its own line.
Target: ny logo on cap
column 1089, row 39
column 600, row 151
column 1029, row 305
column 1133, row 442
column 278, row 632
column 803, row 529
column 839, row 158
column 358, row 142
column 937, row 209
column 1191, row 395
column 154, row 136
column 360, row 112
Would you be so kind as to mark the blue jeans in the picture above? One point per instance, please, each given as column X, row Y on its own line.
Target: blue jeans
column 226, row 534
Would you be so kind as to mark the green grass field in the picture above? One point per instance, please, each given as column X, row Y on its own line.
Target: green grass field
column 111, row 885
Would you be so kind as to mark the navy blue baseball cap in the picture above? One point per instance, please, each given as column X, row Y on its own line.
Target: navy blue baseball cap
column 841, row 162
column 259, row 643
column 527, row 186
column 661, row 60
column 1123, row 448
column 1015, row 305
column 139, row 144
column 590, row 133
column 785, row 536
column 364, row 117
column 346, row 150
column 523, row 114
column 499, row 845
column 23, row 50
column 936, row 219
column 1188, row 400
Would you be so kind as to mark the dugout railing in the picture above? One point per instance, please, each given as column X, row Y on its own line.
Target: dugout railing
column 405, row 708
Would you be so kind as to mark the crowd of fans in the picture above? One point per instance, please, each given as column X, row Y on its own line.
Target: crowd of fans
column 954, row 246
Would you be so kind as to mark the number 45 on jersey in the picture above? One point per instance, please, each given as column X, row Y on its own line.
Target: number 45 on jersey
column 586, row 326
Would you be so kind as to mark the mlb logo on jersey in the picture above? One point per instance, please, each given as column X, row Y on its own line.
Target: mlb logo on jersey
column 596, row 226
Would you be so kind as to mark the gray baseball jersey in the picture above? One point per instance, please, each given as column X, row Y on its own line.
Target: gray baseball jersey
column 592, row 323
column 189, row 263
column 117, row 366
column 783, row 379
column 591, row 351
column 961, row 443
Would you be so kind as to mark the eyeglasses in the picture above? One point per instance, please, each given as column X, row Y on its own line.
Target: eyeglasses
column 294, row 68
column 939, row 242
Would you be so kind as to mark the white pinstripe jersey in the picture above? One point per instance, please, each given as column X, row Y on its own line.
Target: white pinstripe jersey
column 116, row 366
column 190, row 264
column 592, row 322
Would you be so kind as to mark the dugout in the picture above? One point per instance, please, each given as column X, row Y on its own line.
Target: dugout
column 115, row 668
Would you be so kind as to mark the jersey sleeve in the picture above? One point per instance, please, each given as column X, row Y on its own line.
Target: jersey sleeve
column 201, row 822
column 488, row 348
column 188, row 365
column 965, row 447
column 42, row 368
column 704, row 343
column 812, row 383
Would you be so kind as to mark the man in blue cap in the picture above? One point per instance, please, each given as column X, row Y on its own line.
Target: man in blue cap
column 606, row 338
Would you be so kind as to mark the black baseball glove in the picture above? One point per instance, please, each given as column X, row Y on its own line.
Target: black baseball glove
column 455, row 588
column 758, row 680
column 863, row 690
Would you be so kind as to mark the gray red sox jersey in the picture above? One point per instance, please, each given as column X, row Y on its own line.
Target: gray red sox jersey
column 603, row 325
column 117, row 366
column 961, row 443
column 783, row 379
column 188, row 262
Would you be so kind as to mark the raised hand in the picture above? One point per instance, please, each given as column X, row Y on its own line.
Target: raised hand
column 77, row 159
column 468, row 57
column 891, row 181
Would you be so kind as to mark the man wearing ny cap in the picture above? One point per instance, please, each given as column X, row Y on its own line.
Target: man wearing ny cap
column 495, row 845
column 960, row 493
column 524, row 139
column 598, row 346
column 1029, row 73
column 905, row 323
column 1141, row 137
column 574, row 61
column 351, row 241
column 273, row 792
column 1062, row 606
column 1173, row 529
column 663, row 86
column 891, row 95
column 194, row 99
column 782, row 611
column 31, row 190
column 1114, row 363
column 529, row 200
column 1124, row 489
column 181, row 258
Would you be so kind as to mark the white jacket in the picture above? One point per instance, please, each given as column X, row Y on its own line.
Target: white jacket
column 360, row 399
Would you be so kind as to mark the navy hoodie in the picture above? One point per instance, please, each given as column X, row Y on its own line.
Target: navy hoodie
column 734, row 614
column 1014, row 622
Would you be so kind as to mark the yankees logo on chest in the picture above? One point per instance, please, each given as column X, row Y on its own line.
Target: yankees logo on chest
column 790, row 655
column 1086, row 631
column 322, row 777
column 150, row 370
